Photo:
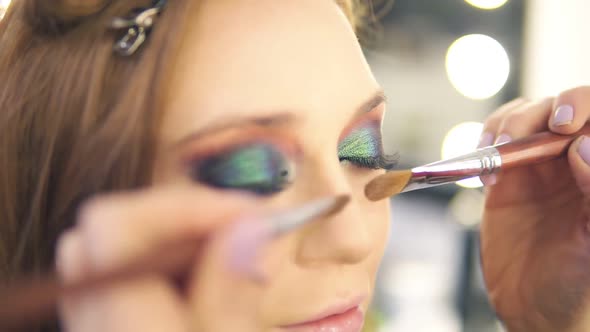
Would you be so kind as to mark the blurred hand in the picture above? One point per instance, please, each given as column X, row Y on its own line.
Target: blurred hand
column 535, row 243
column 115, row 229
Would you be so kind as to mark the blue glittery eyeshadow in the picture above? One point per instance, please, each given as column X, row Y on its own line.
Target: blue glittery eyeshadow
column 260, row 168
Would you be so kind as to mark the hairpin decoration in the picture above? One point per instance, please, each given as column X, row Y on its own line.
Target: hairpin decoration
column 138, row 26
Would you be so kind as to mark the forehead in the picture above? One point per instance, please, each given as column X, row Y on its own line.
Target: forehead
column 250, row 57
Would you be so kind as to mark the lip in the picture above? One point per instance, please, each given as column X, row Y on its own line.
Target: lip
column 344, row 317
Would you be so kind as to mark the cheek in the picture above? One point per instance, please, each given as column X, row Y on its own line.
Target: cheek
column 376, row 215
column 215, row 293
column 378, row 220
column 379, row 223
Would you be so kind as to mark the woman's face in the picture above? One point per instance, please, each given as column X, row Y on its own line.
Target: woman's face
column 261, row 87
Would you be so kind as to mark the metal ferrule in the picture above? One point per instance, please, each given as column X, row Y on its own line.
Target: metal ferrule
column 480, row 162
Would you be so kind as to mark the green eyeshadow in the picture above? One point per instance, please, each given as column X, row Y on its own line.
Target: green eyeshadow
column 363, row 147
column 259, row 167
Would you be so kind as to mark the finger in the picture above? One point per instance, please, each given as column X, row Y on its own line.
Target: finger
column 147, row 304
column 119, row 227
column 571, row 111
column 68, row 265
column 122, row 307
column 76, row 312
column 522, row 120
column 492, row 123
column 69, row 261
column 579, row 161
column 526, row 119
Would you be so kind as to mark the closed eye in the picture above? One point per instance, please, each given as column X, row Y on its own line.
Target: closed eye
column 260, row 168
column 363, row 147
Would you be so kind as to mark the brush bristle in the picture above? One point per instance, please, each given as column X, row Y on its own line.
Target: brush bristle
column 388, row 184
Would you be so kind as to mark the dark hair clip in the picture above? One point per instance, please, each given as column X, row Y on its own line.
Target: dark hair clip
column 138, row 26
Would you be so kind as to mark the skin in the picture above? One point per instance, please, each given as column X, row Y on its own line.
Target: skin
column 535, row 231
column 268, row 58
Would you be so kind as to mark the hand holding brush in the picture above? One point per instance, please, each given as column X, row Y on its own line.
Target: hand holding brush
column 535, row 234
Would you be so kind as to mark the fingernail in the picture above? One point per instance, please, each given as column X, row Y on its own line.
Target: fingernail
column 489, row 180
column 584, row 149
column 486, row 139
column 563, row 115
column 503, row 139
column 246, row 239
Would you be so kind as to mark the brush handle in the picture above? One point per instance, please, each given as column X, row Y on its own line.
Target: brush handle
column 26, row 303
column 537, row 148
column 526, row 151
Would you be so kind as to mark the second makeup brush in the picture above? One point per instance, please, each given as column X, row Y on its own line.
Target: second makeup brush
column 25, row 303
column 530, row 150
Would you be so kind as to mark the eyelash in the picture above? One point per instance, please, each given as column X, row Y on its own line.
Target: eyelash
column 383, row 161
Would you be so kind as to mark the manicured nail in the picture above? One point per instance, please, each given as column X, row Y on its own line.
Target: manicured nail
column 503, row 139
column 563, row 115
column 489, row 180
column 584, row 149
column 486, row 139
column 246, row 239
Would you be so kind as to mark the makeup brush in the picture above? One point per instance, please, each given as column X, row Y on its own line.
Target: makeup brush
column 529, row 150
column 25, row 303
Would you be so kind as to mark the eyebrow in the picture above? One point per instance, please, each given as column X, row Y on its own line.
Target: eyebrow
column 273, row 120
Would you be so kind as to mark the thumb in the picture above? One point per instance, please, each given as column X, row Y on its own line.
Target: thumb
column 579, row 160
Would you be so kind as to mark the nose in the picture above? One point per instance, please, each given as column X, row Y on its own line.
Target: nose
column 339, row 238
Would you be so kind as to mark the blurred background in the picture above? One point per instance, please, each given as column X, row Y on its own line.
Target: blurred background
column 445, row 65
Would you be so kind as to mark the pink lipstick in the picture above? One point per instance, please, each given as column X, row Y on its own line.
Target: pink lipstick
column 350, row 320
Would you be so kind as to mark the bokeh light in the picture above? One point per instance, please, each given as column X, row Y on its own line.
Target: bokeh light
column 487, row 4
column 467, row 207
column 462, row 139
column 477, row 66
column 3, row 7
